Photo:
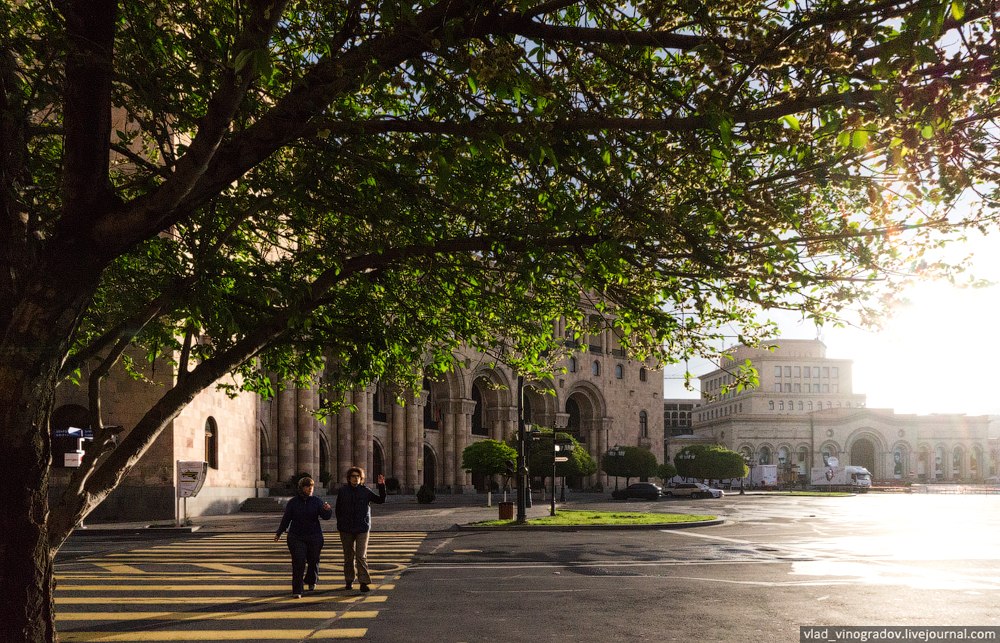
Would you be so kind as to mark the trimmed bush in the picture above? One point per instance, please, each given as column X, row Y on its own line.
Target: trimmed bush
column 425, row 495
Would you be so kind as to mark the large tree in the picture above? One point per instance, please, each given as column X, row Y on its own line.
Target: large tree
column 266, row 187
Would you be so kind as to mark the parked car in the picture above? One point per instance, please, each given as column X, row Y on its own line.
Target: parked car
column 693, row 490
column 644, row 490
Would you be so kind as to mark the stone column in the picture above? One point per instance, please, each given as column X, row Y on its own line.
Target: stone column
column 369, row 420
column 305, row 433
column 414, row 443
column 606, row 424
column 286, row 433
column 359, row 430
column 397, row 431
column 463, row 430
column 449, row 461
column 345, row 440
column 508, row 421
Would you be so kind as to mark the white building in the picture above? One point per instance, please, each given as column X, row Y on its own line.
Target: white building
column 805, row 411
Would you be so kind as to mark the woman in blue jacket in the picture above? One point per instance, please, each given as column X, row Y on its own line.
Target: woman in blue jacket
column 354, row 522
column 305, row 535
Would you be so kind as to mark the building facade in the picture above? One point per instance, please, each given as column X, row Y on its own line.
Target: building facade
column 805, row 411
column 416, row 437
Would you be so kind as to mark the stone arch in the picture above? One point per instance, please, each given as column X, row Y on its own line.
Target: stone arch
column 958, row 468
column 378, row 458
column 494, row 397
column 866, row 448
column 939, row 462
column 325, row 459
column 265, row 457
column 586, row 420
column 925, row 462
column 828, row 449
column 976, row 464
column 901, row 461
column 430, row 467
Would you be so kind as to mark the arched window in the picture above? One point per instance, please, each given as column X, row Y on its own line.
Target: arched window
column 212, row 443
column 595, row 368
column 619, row 372
column 770, row 405
column 643, row 424
column 572, row 365
column 642, row 374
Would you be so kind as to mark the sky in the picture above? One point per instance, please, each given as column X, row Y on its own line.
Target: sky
column 935, row 354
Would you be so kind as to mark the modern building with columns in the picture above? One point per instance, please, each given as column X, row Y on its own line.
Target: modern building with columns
column 805, row 411
column 253, row 445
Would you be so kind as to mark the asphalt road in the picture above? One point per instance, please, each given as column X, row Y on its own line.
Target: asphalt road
column 777, row 563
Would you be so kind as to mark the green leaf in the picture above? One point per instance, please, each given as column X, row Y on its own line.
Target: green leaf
column 791, row 121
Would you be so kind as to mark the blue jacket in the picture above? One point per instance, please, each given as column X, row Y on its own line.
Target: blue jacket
column 301, row 519
column 354, row 515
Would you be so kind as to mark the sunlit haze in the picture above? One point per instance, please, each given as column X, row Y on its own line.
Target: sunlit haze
column 934, row 355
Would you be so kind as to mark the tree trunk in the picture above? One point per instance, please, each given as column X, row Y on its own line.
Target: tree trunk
column 33, row 346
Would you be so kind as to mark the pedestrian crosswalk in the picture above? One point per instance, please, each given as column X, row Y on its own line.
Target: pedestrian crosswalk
column 223, row 587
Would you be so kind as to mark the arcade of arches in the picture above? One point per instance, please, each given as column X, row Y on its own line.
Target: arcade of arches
column 421, row 440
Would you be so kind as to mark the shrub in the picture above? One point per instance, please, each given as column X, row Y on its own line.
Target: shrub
column 425, row 495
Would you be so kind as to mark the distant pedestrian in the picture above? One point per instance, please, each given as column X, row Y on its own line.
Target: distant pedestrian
column 354, row 522
column 305, row 534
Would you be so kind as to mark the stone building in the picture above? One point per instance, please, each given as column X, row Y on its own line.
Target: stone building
column 251, row 444
column 805, row 411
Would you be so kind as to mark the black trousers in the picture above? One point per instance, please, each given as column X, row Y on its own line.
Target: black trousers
column 305, row 561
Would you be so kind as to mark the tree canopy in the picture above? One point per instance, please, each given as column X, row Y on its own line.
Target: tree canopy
column 488, row 457
column 709, row 462
column 278, row 187
column 634, row 462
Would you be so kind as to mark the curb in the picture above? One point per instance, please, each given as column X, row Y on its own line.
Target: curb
column 149, row 531
column 667, row 525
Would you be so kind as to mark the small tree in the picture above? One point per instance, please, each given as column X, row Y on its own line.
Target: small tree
column 666, row 471
column 636, row 462
column 580, row 463
column 709, row 462
column 488, row 457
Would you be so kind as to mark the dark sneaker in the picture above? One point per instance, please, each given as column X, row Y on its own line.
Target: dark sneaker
column 349, row 586
column 365, row 588
column 296, row 595
column 312, row 588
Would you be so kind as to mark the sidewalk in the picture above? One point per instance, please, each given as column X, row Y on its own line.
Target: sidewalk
column 399, row 513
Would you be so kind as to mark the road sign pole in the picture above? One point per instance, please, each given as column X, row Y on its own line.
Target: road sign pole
column 552, row 508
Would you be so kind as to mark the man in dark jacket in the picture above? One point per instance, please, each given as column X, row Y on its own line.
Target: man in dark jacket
column 354, row 522
column 305, row 535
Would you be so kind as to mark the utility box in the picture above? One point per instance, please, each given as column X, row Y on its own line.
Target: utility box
column 506, row 510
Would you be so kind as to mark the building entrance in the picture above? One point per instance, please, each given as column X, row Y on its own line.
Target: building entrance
column 863, row 455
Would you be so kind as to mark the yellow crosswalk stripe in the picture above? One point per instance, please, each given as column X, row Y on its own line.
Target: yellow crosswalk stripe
column 218, row 635
column 215, row 600
column 101, row 598
column 187, row 587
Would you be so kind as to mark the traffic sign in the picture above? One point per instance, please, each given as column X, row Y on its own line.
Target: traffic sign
column 562, row 458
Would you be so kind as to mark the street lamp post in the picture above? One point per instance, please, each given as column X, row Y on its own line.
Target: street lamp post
column 522, row 466
column 616, row 452
column 552, row 506
column 687, row 456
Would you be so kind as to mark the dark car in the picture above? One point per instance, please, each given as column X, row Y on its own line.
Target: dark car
column 644, row 490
